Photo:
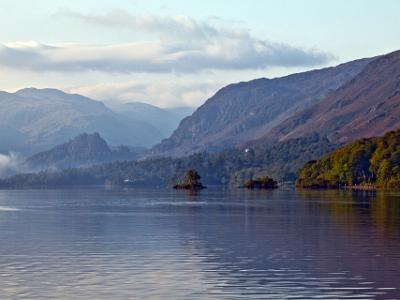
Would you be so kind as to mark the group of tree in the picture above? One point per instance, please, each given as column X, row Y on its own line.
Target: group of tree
column 261, row 183
column 190, row 182
column 372, row 162
column 367, row 162
column 232, row 166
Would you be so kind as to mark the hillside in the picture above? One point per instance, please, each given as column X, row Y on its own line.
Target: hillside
column 83, row 150
column 366, row 106
column 245, row 111
column 37, row 120
column 233, row 166
column 374, row 161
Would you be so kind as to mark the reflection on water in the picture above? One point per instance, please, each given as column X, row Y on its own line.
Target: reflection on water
column 161, row 244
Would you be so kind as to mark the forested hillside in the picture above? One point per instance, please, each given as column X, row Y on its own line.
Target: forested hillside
column 374, row 161
column 233, row 166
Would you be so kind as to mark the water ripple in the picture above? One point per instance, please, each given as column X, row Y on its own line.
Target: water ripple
column 98, row 244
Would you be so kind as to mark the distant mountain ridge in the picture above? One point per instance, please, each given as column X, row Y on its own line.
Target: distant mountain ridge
column 34, row 120
column 83, row 150
column 245, row 111
column 165, row 120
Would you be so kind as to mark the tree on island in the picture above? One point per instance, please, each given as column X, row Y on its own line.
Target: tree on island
column 261, row 183
column 191, row 181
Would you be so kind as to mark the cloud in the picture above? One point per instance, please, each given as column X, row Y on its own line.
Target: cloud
column 164, row 94
column 170, row 26
column 182, row 45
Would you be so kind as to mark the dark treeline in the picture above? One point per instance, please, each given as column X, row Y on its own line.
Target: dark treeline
column 233, row 166
column 373, row 162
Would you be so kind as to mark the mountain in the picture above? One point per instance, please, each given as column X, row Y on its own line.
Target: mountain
column 366, row 106
column 245, row 111
column 373, row 162
column 165, row 120
column 37, row 119
column 11, row 139
column 83, row 150
column 299, row 118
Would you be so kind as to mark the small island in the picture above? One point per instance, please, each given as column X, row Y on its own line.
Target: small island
column 190, row 182
column 261, row 183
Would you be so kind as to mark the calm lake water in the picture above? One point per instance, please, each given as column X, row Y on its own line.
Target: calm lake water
column 162, row 244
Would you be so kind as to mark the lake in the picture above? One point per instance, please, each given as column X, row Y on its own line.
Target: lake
column 217, row 244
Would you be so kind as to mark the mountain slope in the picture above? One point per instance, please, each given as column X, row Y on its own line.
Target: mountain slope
column 83, row 150
column 366, row 106
column 44, row 118
column 245, row 111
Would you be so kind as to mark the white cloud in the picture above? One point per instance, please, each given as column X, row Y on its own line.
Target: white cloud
column 170, row 26
column 169, row 61
column 183, row 45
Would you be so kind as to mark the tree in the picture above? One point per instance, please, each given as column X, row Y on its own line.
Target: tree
column 192, row 177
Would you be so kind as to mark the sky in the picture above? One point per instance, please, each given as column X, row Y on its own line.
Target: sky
column 179, row 53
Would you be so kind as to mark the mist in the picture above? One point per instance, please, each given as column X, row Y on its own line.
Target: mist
column 10, row 164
